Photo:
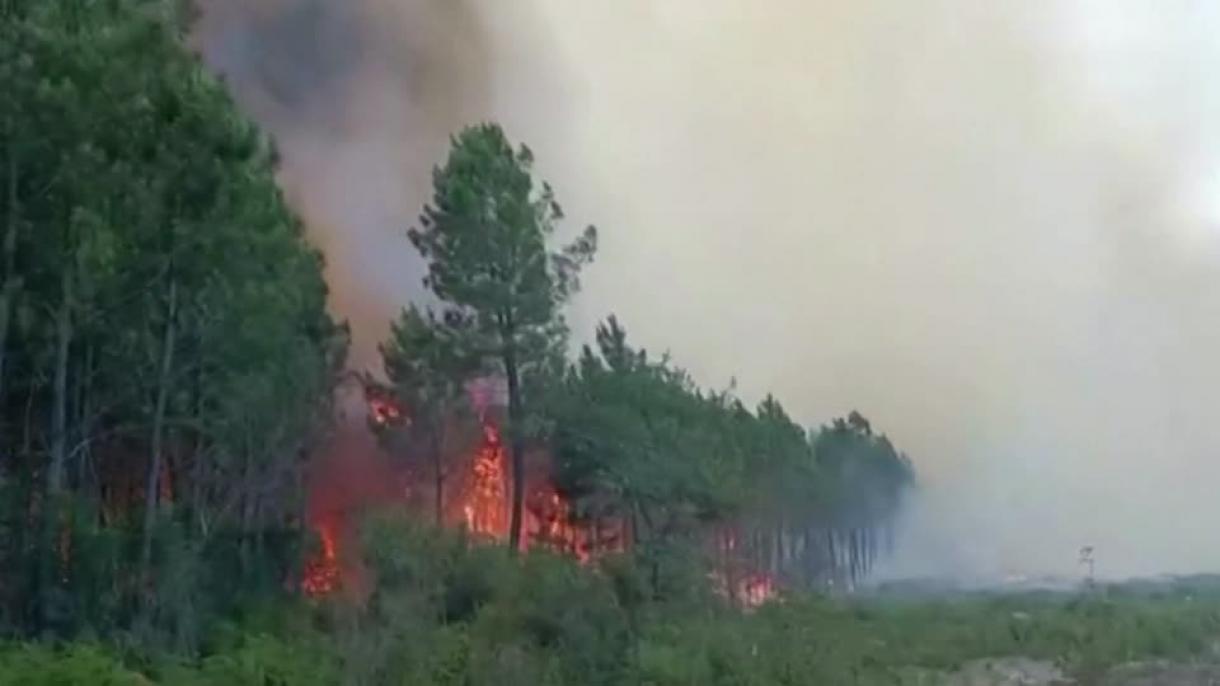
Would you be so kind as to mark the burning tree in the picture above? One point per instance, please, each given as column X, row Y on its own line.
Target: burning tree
column 322, row 574
column 485, row 237
column 427, row 367
column 484, row 505
column 630, row 449
column 470, row 467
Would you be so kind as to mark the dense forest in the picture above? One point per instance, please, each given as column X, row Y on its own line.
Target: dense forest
column 168, row 370
column 165, row 354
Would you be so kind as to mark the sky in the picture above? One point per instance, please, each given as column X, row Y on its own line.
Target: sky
column 993, row 228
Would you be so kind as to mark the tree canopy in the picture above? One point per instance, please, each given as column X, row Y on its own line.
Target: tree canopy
column 635, row 438
column 487, row 237
column 165, row 354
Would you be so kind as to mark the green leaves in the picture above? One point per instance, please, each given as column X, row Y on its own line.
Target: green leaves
column 153, row 278
column 635, row 438
column 428, row 360
column 486, row 239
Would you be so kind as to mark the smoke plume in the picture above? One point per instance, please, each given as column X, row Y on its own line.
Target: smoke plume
column 992, row 227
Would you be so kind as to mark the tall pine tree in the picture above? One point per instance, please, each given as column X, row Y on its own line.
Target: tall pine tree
column 486, row 237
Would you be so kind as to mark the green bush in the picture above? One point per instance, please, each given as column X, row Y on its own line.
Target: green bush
column 259, row 660
column 83, row 665
column 442, row 611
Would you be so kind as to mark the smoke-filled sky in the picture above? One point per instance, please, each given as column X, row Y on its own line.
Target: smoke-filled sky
column 993, row 227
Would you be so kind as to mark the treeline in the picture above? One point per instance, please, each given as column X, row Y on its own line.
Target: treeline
column 165, row 354
column 167, row 363
column 637, row 440
column 633, row 441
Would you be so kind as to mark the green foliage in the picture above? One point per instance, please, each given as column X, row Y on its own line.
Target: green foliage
column 165, row 354
column 260, row 660
column 428, row 365
column 444, row 611
column 77, row 665
column 813, row 640
column 485, row 238
column 541, row 619
column 635, row 439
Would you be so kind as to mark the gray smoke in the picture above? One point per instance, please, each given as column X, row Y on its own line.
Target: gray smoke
column 361, row 96
column 993, row 227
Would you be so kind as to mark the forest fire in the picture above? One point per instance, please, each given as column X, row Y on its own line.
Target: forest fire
column 485, row 504
column 477, row 497
column 756, row 589
column 548, row 518
column 322, row 575
column 480, row 504
column 739, row 580
column 383, row 408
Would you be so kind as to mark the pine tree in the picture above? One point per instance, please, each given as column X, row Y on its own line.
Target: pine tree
column 486, row 237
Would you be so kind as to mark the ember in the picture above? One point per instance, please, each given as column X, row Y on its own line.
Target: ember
column 384, row 412
column 749, row 591
column 322, row 572
column 756, row 589
column 737, row 579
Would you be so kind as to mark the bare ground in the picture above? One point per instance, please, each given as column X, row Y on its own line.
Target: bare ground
column 1020, row 671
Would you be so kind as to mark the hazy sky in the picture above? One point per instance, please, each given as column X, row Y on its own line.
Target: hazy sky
column 992, row 227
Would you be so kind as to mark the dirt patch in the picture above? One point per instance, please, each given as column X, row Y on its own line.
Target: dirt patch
column 1163, row 674
column 1009, row 671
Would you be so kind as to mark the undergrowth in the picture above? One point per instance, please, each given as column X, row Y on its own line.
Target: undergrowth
column 443, row 612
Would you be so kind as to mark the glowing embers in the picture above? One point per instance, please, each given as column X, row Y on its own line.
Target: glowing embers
column 756, row 589
column 384, row 410
column 548, row 519
column 552, row 523
column 553, row 527
column 322, row 574
column 486, row 502
column 747, row 590
column 737, row 579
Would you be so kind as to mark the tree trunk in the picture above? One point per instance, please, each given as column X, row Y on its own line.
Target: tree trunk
column 197, row 454
column 515, row 447
column 84, row 421
column 59, row 407
column 59, row 446
column 249, row 498
column 152, row 484
column 832, row 556
column 438, row 467
column 8, row 291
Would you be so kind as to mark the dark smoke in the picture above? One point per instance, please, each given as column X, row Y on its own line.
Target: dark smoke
column 361, row 97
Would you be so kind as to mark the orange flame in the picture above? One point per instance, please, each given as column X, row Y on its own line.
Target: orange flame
column 484, row 508
column 480, row 502
column 322, row 572
column 736, row 581
column 548, row 518
column 756, row 589
column 384, row 412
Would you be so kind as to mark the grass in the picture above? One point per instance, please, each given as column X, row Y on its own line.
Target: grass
column 445, row 613
column 879, row 639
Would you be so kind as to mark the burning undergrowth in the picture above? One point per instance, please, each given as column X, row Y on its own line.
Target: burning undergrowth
column 377, row 463
column 802, row 510
column 454, row 470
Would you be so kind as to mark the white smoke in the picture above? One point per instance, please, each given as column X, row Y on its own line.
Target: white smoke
column 992, row 227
